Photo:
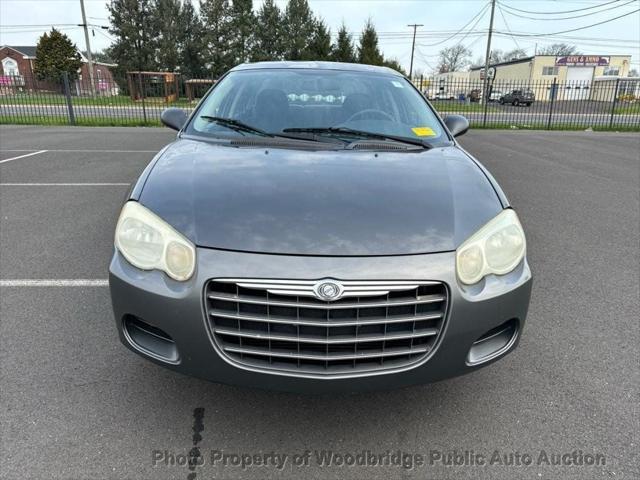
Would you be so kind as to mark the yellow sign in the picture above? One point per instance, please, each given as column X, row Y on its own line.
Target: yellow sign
column 423, row 132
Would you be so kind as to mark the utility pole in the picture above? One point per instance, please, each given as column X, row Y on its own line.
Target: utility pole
column 86, row 41
column 413, row 45
column 488, row 55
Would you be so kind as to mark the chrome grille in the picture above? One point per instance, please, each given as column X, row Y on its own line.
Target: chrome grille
column 279, row 325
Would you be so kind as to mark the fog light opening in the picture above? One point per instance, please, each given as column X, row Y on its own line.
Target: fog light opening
column 494, row 343
column 149, row 340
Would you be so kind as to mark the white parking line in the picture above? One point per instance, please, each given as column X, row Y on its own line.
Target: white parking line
column 64, row 184
column 21, row 156
column 55, row 283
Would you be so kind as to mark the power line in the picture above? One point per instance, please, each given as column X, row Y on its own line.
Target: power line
column 565, row 11
column 567, row 18
column 549, row 41
column 580, row 39
column 424, row 59
column 480, row 33
column 507, row 26
column 40, row 25
column 574, row 29
column 478, row 16
column 395, row 34
column 45, row 25
column 105, row 35
column 38, row 30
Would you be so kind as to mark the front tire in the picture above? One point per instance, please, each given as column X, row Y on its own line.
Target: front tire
column 515, row 103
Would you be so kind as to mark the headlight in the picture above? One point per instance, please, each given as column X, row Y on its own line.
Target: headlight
column 150, row 243
column 498, row 247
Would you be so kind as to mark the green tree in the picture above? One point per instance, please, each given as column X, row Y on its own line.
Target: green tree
column 55, row 54
column 165, row 19
column 368, row 50
column 394, row 64
column 320, row 44
column 343, row 50
column 299, row 25
column 216, row 21
column 191, row 64
column 133, row 30
column 103, row 56
column 242, row 26
column 269, row 33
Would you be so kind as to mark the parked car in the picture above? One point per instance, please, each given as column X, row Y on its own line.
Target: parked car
column 495, row 96
column 518, row 97
column 316, row 227
column 444, row 95
column 475, row 95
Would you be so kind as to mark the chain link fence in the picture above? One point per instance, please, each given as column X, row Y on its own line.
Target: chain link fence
column 601, row 104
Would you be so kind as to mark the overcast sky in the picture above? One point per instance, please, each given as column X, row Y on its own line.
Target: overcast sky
column 441, row 19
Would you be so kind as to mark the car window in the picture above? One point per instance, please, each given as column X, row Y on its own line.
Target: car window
column 277, row 99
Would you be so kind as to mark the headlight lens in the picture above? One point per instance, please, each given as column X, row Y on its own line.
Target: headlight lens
column 150, row 243
column 497, row 248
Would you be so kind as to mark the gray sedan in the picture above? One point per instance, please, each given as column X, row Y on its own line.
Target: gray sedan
column 316, row 227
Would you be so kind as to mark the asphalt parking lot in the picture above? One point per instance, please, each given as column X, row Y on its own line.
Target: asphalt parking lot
column 76, row 404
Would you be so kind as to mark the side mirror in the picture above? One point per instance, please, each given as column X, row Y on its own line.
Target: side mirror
column 457, row 124
column 173, row 118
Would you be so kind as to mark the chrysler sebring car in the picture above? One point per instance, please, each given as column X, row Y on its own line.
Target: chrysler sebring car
column 316, row 227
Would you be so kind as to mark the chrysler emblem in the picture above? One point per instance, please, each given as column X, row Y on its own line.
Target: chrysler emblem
column 328, row 290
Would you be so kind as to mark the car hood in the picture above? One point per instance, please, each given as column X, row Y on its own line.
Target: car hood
column 334, row 203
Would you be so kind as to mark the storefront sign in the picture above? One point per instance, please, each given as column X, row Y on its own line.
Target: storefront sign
column 582, row 61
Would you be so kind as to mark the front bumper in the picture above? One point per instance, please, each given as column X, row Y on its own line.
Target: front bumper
column 177, row 308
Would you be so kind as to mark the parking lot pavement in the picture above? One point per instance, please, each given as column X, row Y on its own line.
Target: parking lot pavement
column 77, row 404
column 82, row 166
column 79, row 138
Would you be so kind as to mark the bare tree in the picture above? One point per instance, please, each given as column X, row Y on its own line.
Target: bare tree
column 453, row 58
column 559, row 49
column 514, row 54
column 477, row 63
column 498, row 56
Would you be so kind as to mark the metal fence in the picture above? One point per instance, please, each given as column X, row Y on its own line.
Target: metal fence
column 604, row 103
column 600, row 104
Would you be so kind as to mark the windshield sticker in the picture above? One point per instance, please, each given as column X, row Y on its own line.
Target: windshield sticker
column 423, row 132
column 396, row 84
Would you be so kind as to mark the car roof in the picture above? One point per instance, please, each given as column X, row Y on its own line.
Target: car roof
column 353, row 67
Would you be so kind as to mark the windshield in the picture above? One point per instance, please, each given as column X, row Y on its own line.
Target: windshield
column 278, row 100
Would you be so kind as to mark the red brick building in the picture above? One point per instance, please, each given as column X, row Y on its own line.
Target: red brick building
column 17, row 72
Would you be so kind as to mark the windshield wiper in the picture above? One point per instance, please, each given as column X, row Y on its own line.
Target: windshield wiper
column 236, row 125
column 360, row 133
column 239, row 126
